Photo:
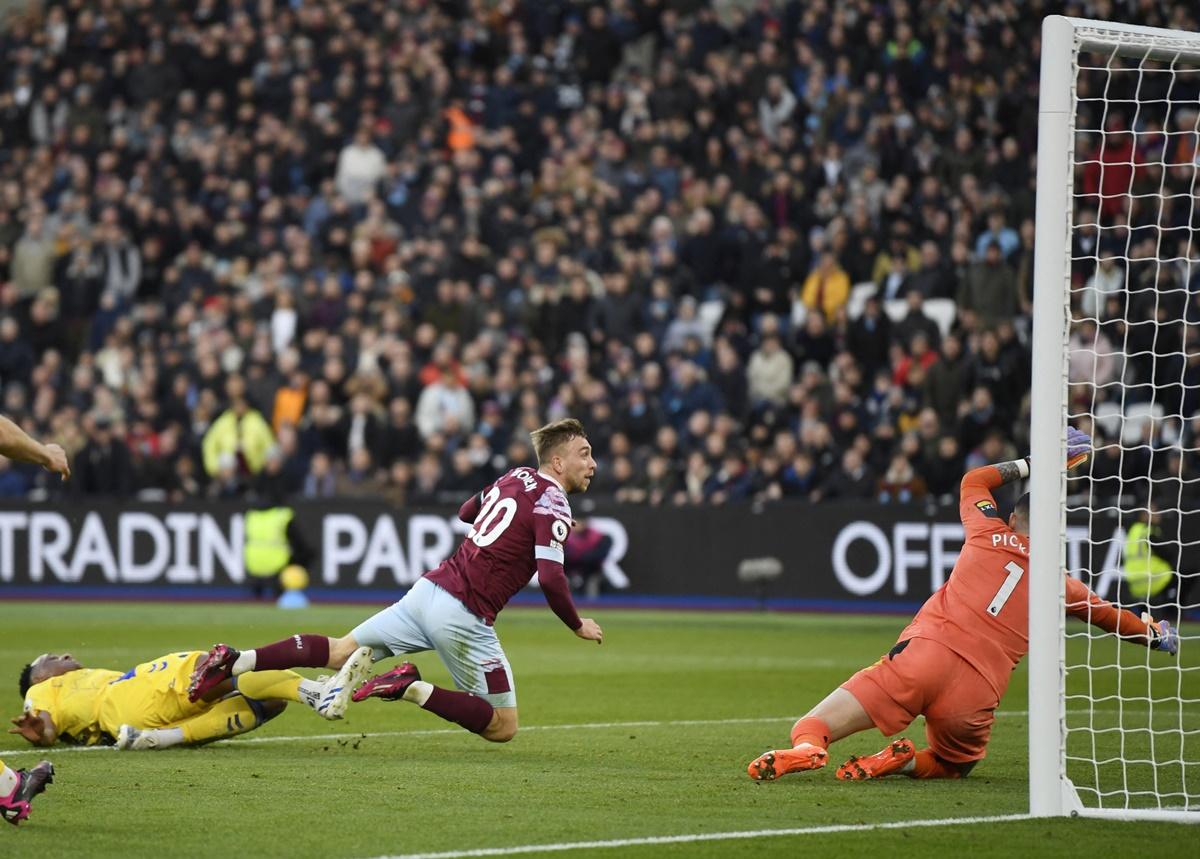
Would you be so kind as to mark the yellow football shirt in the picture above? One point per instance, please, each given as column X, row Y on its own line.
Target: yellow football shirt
column 89, row 705
column 73, row 702
column 151, row 695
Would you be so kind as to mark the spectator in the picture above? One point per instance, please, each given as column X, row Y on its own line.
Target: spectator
column 361, row 426
column 1106, row 281
column 240, row 437
column 851, row 481
column 933, row 278
column 360, row 167
column 122, row 265
column 997, row 233
column 467, row 209
column 946, row 380
column 988, row 294
column 690, row 392
column 769, row 374
column 16, row 358
column 894, row 283
column 320, row 482
column 445, row 406
column 360, row 479
column 103, row 467
column 869, row 336
column 775, row 108
column 399, row 439
column 916, row 320
column 585, row 552
column 426, row 485
column 944, row 471
column 901, row 483
column 14, row 483
column 33, row 257
column 827, row 288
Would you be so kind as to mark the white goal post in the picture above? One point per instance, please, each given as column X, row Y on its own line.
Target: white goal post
column 1113, row 730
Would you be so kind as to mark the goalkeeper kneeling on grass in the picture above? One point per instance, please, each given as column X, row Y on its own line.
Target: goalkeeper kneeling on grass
column 952, row 664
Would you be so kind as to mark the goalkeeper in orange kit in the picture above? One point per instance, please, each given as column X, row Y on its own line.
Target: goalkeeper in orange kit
column 953, row 661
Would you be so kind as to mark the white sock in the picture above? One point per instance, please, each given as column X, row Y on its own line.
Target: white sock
column 246, row 661
column 164, row 738
column 909, row 766
column 310, row 692
column 8, row 781
column 418, row 692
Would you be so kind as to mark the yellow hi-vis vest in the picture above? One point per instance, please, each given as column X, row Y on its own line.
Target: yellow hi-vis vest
column 267, row 550
column 1145, row 573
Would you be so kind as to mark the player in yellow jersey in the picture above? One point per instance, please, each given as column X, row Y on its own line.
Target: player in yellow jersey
column 147, row 707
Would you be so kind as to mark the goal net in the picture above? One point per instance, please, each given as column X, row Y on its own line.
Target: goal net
column 1114, row 727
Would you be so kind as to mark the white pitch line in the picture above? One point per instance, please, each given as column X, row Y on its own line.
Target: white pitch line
column 428, row 732
column 706, row 836
column 354, row 735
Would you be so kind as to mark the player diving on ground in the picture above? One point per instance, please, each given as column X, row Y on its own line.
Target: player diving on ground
column 519, row 525
column 147, row 707
column 953, row 662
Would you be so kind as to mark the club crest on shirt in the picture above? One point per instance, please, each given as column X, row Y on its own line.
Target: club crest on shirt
column 988, row 508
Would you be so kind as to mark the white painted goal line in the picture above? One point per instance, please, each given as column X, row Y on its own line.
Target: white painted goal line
column 427, row 732
column 706, row 836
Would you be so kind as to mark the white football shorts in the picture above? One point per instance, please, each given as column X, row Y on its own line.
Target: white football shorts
column 429, row 618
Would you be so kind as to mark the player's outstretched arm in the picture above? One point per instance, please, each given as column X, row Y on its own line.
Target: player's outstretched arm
column 985, row 478
column 1086, row 605
column 16, row 444
column 37, row 728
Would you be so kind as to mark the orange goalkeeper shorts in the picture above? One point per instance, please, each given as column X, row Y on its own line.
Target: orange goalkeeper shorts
column 922, row 677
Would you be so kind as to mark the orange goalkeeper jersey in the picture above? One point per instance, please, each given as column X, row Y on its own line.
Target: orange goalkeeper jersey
column 982, row 612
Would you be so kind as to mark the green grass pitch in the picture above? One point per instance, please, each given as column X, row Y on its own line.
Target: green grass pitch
column 647, row 735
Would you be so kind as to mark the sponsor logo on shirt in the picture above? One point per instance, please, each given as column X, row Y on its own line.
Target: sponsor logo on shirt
column 988, row 508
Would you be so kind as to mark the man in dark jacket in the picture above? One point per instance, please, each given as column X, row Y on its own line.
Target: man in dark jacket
column 946, row 381
column 103, row 466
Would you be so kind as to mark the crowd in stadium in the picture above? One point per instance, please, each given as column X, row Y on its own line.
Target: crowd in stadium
column 361, row 248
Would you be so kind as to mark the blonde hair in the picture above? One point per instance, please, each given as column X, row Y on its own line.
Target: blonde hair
column 549, row 438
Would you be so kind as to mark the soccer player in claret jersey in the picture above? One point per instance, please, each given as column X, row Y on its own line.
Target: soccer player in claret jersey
column 953, row 661
column 519, row 525
column 19, row 787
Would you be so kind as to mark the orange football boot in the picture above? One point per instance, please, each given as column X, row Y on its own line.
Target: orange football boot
column 890, row 760
column 771, row 765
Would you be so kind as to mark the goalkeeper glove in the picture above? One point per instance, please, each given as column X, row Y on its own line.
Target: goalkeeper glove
column 1079, row 447
column 1161, row 635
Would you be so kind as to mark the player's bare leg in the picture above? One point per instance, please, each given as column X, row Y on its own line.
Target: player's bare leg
column 19, row 787
column 503, row 726
column 838, row 715
column 404, row 683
